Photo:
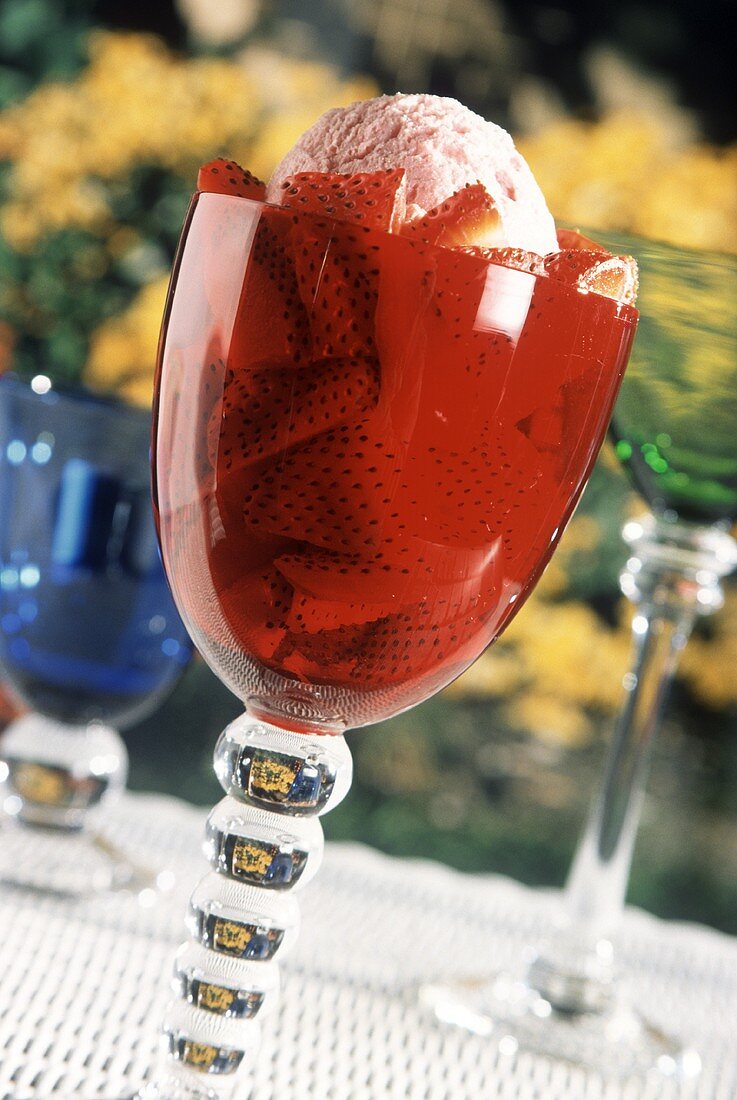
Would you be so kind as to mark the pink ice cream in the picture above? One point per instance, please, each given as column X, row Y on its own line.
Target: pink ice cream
column 442, row 146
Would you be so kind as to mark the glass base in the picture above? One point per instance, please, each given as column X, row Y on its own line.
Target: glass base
column 72, row 864
column 172, row 1089
column 615, row 1041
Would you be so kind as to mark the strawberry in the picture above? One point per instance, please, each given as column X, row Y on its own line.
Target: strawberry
column 491, row 492
column 333, row 491
column 256, row 606
column 443, row 308
column 308, row 615
column 266, row 410
column 225, row 177
column 271, row 323
column 595, row 271
column 412, row 641
column 337, row 271
column 568, row 264
column 375, row 200
column 400, row 572
column 468, row 217
column 616, row 277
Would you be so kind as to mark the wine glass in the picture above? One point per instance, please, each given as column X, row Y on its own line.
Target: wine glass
column 365, row 453
column 675, row 429
column 89, row 636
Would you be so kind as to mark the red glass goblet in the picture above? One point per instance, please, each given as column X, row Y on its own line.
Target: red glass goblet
column 366, row 450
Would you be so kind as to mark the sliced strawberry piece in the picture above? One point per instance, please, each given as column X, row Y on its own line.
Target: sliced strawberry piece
column 332, row 492
column 409, row 642
column 420, row 639
column 491, row 493
column 615, row 278
column 226, row 177
column 337, row 274
column 267, row 410
column 309, row 615
column 340, row 649
column 518, row 258
column 570, row 263
column 459, row 317
column 468, row 217
column 271, row 323
column 402, row 571
column 430, row 312
column 597, row 272
column 376, row 200
column 256, row 606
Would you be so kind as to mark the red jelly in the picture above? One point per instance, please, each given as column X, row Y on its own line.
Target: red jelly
column 366, row 451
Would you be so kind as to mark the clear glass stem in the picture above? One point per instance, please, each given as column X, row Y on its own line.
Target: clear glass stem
column 672, row 577
column 598, row 879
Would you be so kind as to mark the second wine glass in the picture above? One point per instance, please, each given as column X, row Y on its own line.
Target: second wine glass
column 89, row 636
column 675, row 429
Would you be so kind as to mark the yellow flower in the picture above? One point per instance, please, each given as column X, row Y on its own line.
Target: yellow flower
column 123, row 350
column 627, row 172
column 137, row 103
column 551, row 717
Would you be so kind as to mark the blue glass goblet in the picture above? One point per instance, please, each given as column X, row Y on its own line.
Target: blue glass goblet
column 89, row 636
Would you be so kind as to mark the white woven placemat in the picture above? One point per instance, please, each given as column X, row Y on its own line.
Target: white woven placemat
column 82, row 986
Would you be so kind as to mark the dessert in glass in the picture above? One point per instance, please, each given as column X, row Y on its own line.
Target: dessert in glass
column 374, row 419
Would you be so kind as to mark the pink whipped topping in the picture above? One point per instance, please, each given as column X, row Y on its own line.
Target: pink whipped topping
column 442, row 146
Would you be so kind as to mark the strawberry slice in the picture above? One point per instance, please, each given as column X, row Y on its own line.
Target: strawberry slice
column 401, row 572
column 226, row 177
column 271, row 323
column 372, row 199
column 337, row 268
column 256, row 606
column 468, row 217
column 333, row 491
column 616, row 277
column 414, row 640
column 309, row 615
column 595, row 271
column 491, row 492
column 267, row 410
column 568, row 264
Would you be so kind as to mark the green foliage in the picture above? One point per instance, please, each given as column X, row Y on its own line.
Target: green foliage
column 40, row 40
column 58, row 295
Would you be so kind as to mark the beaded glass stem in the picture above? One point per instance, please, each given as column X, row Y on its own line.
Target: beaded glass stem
column 264, row 842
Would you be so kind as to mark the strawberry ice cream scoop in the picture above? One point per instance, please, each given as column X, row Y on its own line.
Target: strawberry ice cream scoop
column 442, row 146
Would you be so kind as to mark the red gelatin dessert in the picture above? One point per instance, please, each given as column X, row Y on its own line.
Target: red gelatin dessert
column 372, row 441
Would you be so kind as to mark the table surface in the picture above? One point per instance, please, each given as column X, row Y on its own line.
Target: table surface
column 83, row 984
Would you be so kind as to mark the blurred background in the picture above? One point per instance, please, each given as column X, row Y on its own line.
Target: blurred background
column 626, row 115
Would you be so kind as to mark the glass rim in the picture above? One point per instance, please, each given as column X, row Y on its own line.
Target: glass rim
column 622, row 309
